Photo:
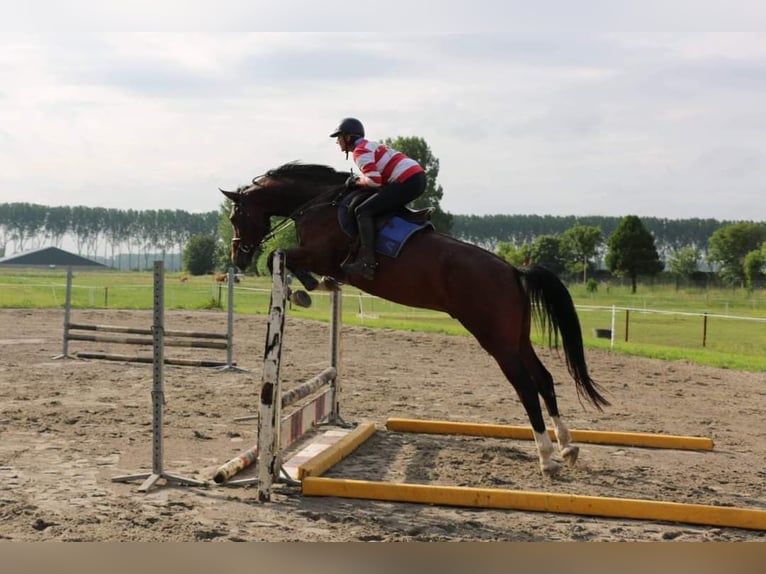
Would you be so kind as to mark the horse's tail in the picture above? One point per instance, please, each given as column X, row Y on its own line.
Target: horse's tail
column 555, row 311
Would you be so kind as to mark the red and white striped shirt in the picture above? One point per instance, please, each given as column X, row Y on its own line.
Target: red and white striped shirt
column 381, row 165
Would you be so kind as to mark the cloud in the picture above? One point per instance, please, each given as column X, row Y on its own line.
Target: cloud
column 541, row 123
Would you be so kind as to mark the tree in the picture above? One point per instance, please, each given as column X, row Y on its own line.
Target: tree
column 729, row 245
column 546, row 251
column 284, row 239
column 418, row 149
column 225, row 234
column 580, row 244
column 632, row 251
column 199, row 255
column 57, row 224
column 753, row 266
column 683, row 262
column 517, row 256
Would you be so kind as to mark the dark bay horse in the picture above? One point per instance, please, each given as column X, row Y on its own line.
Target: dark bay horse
column 492, row 299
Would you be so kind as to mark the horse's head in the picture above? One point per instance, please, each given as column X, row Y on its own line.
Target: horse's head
column 289, row 190
column 250, row 224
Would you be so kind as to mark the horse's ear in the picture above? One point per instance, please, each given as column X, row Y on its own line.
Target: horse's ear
column 232, row 195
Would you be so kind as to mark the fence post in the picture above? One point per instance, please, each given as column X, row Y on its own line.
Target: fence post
column 336, row 308
column 611, row 337
column 67, row 314
column 158, row 394
column 704, row 329
column 230, row 325
column 627, row 324
column 158, row 373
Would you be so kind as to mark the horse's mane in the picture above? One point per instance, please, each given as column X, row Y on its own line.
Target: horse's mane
column 321, row 174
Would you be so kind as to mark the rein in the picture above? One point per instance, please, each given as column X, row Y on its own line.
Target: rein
column 304, row 208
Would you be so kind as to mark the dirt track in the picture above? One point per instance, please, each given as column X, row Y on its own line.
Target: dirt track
column 68, row 427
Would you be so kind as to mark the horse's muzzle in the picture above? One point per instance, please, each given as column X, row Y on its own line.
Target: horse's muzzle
column 241, row 254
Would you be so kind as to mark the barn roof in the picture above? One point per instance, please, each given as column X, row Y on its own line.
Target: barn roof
column 48, row 257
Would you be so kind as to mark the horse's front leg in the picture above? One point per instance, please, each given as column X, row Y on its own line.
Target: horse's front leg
column 296, row 261
column 305, row 277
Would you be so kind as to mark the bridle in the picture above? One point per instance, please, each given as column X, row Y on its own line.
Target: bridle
column 329, row 198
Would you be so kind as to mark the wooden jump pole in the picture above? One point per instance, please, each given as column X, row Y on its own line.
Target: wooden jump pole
column 270, row 409
column 525, row 433
column 141, row 331
column 139, row 341
column 133, row 359
column 293, row 428
column 215, row 340
column 158, row 396
column 337, row 452
column 276, row 433
column 309, row 387
column 638, row 509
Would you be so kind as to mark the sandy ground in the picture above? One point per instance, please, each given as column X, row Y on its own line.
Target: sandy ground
column 68, row 426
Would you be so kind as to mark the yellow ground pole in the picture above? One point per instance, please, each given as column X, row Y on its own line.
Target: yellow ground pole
column 337, row 452
column 525, row 433
column 538, row 502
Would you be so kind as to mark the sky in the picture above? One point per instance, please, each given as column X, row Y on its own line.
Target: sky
column 562, row 121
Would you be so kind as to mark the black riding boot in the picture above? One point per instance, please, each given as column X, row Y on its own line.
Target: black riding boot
column 364, row 264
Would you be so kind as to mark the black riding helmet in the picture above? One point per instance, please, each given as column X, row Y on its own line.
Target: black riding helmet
column 351, row 126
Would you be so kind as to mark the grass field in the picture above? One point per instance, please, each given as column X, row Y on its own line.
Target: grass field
column 658, row 322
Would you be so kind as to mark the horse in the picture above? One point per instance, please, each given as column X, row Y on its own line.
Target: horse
column 224, row 278
column 492, row 299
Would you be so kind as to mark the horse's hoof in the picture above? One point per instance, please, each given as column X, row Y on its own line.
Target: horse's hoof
column 551, row 468
column 327, row 283
column 569, row 454
column 300, row 298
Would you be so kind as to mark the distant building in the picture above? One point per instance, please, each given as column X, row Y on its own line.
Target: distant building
column 50, row 257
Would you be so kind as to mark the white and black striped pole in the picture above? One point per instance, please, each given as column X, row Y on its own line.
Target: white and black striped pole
column 270, row 409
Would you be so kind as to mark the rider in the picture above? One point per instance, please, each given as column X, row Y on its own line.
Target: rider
column 395, row 178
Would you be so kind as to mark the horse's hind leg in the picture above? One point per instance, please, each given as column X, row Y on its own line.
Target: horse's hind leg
column 516, row 372
column 544, row 382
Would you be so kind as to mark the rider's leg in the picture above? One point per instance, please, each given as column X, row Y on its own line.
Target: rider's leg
column 388, row 199
column 364, row 264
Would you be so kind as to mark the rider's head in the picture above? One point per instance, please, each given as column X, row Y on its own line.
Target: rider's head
column 347, row 132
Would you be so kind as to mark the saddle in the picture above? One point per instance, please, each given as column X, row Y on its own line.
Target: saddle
column 392, row 229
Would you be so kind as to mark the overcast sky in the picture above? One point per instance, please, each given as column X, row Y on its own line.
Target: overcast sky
column 652, row 124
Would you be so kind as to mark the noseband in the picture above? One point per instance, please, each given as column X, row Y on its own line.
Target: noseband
column 245, row 248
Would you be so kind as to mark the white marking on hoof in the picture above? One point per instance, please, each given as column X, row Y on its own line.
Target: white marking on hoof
column 570, row 454
column 545, row 452
column 563, row 435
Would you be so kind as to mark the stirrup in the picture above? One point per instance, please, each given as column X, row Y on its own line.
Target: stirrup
column 360, row 267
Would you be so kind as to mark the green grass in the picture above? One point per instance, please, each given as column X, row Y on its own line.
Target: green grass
column 664, row 297
column 730, row 343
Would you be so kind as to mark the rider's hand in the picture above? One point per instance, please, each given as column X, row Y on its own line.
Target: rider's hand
column 352, row 181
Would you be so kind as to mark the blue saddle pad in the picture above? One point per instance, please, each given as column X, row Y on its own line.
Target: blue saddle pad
column 390, row 239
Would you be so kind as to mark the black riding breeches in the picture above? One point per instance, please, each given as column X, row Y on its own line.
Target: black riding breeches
column 392, row 196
